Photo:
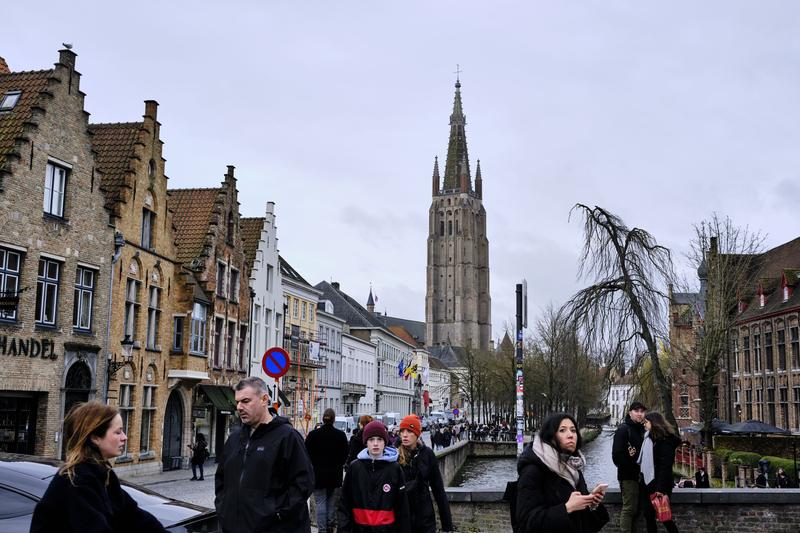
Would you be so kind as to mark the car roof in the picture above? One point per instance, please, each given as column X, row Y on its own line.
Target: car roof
column 27, row 473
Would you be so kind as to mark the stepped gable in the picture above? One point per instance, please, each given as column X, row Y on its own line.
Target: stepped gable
column 251, row 237
column 191, row 213
column 115, row 148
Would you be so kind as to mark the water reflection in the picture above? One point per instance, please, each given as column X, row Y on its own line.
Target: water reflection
column 487, row 473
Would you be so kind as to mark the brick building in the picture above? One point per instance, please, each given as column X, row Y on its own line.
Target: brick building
column 140, row 336
column 56, row 246
column 211, row 317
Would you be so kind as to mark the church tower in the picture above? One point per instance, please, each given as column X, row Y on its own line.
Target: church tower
column 457, row 303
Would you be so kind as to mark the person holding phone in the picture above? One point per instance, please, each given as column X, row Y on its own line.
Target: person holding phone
column 627, row 443
column 656, row 460
column 551, row 491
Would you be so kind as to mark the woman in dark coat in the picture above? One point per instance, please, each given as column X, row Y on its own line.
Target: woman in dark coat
column 85, row 495
column 656, row 459
column 356, row 445
column 199, row 456
column 551, row 492
column 421, row 469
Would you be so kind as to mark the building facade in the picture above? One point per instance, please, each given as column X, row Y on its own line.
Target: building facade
column 129, row 156
column 211, row 319
column 260, row 237
column 300, row 340
column 56, row 248
column 438, row 387
column 457, row 302
column 330, row 329
column 359, row 363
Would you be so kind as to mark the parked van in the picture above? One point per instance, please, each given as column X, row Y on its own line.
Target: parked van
column 345, row 423
column 438, row 417
column 391, row 420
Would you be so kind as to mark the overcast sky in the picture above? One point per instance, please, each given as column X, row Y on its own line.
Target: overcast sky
column 662, row 112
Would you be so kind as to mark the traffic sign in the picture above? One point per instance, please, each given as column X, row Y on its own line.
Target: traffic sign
column 275, row 362
column 455, row 412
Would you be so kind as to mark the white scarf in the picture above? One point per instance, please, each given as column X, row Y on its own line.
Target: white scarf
column 570, row 471
column 645, row 459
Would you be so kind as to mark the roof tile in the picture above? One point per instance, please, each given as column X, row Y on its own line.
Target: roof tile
column 12, row 123
column 191, row 210
column 251, row 236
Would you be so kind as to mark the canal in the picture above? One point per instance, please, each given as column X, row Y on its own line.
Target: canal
column 493, row 473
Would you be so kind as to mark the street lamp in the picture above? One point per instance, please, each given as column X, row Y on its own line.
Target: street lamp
column 127, row 356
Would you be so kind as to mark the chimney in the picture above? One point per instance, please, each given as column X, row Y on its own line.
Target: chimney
column 67, row 57
column 335, row 285
column 151, row 109
column 4, row 67
column 229, row 174
column 713, row 245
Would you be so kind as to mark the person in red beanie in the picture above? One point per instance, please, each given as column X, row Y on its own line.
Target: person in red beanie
column 373, row 496
column 421, row 470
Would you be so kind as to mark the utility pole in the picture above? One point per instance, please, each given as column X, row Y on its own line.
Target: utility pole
column 522, row 322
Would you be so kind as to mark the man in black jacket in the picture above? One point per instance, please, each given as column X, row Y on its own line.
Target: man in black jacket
column 264, row 477
column 328, row 449
column 627, row 443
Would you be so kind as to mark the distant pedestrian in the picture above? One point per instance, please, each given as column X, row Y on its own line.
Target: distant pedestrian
column 782, row 479
column 85, row 494
column 373, row 493
column 422, row 475
column 761, row 481
column 264, row 476
column 551, row 491
column 701, row 479
column 627, row 443
column 327, row 447
column 356, row 443
column 656, row 460
column 199, row 456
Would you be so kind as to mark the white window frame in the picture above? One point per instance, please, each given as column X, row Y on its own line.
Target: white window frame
column 44, row 283
column 197, row 345
column 148, row 411
column 55, row 184
column 148, row 225
column 153, row 317
column 84, row 297
column 9, row 279
column 131, row 309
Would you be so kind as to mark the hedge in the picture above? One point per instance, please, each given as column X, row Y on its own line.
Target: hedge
column 745, row 458
column 779, row 462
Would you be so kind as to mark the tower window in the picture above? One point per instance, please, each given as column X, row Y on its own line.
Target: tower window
column 449, row 227
column 441, row 228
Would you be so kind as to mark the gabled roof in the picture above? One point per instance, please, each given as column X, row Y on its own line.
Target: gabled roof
column 288, row 272
column 450, row 356
column 251, row 236
column 435, row 363
column 192, row 209
column 347, row 308
column 769, row 269
column 114, row 146
column 402, row 333
column 31, row 85
column 414, row 327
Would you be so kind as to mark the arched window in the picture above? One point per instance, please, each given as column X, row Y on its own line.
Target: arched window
column 230, row 226
column 151, row 169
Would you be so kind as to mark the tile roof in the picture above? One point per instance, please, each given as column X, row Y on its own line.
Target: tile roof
column 768, row 269
column 414, row 327
column 12, row 123
column 403, row 334
column 251, row 236
column 191, row 215
column 435, row 363
column 114, row 145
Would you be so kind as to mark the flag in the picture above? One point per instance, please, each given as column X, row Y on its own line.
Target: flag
column 425, row 376
column 400, row 368
column 375, row 296
column 411, row 370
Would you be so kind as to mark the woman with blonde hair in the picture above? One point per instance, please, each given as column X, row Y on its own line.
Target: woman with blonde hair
column 86, row 495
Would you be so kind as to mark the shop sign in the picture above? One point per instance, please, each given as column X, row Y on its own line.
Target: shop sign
column 31, row 347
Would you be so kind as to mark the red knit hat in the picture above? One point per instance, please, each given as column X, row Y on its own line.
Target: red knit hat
column 412, row 423
column 374, row 429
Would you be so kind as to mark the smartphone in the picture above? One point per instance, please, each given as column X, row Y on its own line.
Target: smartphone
column 600, row 488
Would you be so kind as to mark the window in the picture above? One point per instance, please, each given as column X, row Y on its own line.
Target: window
column 221, row 279
column 449, row 227
column 746, row 339
column 795, row 347
column 55, row 182
column 781, row 349
column 9, row 100
column 768, row 351
column 131, row 308
column 296, row 307
column 310, row 312
column 242, row 347
column 785, row 293
column 197, row 343
column 148, row 223
column 151, row 169
column 153, row 317
column 230, row 227
column 47, row 292
column 229, row 347
column 267, row 326
column 441, row 228
column 218, row 327
column 84, row 296
column 757, row 351
column 125, row 410
column 278, row 321
column 10, row 262
column 270, row 271
column 234, row 288
column 303, row 315
column 735, row 350
column 748, row 395
column 759, row 404
column 177, row 334
column 256, row 326
column 148, row 408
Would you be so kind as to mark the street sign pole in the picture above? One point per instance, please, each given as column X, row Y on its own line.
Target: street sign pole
column 520, row 383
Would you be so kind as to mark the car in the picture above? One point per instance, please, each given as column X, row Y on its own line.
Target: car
column 24, row 479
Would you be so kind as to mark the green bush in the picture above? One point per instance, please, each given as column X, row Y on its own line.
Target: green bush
column 779, row 462
column 723, row 454
column 744, row 458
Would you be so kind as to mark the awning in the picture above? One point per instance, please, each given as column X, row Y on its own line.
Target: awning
column 221, row 397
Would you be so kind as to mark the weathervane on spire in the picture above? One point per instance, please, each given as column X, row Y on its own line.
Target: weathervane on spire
column 458, row 73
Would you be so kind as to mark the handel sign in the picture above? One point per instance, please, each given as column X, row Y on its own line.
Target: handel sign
column 15, row 346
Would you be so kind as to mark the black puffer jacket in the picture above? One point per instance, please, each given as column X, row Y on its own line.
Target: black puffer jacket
column 263, row 480
column 629, row 433
column 327, row 448
column 356, row 445
column 422, row 475
column 373, row 496
column 541, row 498
column 663, row 459
column 88, row 505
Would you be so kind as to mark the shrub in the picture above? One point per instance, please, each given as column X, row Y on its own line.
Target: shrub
column 744, row 458
column 723, row 454
column 779, row 462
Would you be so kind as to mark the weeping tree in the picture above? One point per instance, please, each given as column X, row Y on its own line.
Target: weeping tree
column 624, row 309
column 726, row 257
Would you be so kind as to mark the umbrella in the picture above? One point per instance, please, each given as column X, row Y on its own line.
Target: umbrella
column 754, row 426
column 717, row 426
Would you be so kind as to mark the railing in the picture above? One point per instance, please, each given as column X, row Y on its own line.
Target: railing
column 355, row 389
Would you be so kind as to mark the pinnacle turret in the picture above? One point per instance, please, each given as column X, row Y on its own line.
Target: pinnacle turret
column 478, row 180
column 436, row 179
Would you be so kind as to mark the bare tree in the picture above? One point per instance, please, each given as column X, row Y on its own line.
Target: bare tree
column 726, row 257
column 626, row 302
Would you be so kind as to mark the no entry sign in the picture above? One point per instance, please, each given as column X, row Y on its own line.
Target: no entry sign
column 275, row 362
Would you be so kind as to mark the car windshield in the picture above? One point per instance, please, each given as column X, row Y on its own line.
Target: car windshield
column 340, row 424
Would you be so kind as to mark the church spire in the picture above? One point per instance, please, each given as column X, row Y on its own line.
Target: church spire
column 370, row 301
column 436, row 179
column 457, row 163
column 478, row 181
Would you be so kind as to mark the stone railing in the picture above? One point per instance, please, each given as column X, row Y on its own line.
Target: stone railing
column 701, row 510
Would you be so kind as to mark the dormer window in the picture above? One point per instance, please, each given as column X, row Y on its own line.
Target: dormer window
column 9, row 100
column 786, row 293
column 742, row 306
column 762, row 300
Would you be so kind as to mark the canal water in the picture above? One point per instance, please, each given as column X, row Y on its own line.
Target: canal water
column 489, row 473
